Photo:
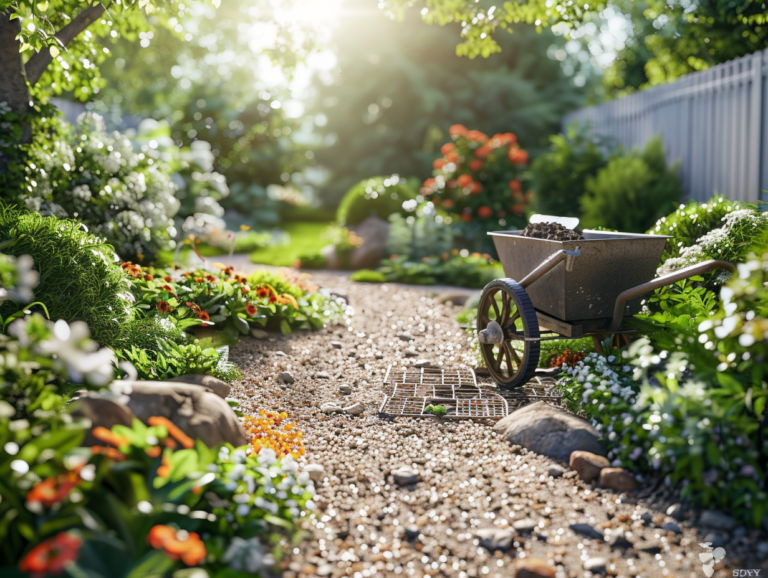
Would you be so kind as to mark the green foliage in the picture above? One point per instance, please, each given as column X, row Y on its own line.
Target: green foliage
column 420, row 235
column 79, row 277
column 435, row 409
column 368, row 276
column 631, row 192
column 303, row 238
column 281, row 282
column 343, row 241
column 560, row 175
column 311, row 261
column 472, row 270
column 377, row 196
column 394, row 101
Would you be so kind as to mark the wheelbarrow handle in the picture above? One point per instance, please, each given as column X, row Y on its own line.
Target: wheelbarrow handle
column 621, row 300
column 550, row 263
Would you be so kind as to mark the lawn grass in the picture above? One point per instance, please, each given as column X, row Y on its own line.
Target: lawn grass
column 305, row 240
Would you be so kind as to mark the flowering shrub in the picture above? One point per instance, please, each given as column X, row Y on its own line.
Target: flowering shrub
column 481, row 179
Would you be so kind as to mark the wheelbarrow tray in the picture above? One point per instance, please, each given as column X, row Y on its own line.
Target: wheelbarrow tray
column 609, row 263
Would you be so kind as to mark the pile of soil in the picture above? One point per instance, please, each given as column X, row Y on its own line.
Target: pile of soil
column 551, row 232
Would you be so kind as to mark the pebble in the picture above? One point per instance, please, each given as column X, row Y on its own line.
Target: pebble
column 620, row 541
column 345, row 389
column 533, row 568
column 676, row 511
column 405, row 336
column 405, row 476
column 336, row 344
column 556, row 471
column 617, row 479
column 411, row 353
column 420, row 363
column 354, row 409
column 596, row 565
column 331, row 407
column 323, row 375
column 716, row 539
column 587, row 465
column 717, row 519
column 286, row 377
column 524, row 526
column 316, row 472
column 412, row 532
column 493, row 539
column 671, row 527
column 587, row 530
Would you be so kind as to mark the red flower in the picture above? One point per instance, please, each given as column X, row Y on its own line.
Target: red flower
column 518, row 156
column 189, row 550
column 53, row 490
column 210, row 278
column 262, row 292
column 148, row 277
column 466, row 217
column 251, row 310
column 52, row 556
column 447, row 148
column 464, row 180
column 192, row 306
column 167, row 279
column 272, row 298
column 484, row 212
column 438, row 163
column 518, row 209
column 168, row 288
column 515, row 185
column 163, row 307
column 204, row 316
column 199, row 280
column 457, row 129
column 475, row 188
column 448, row 203
column 483, row 151
column 477, row 136
column 475, row 165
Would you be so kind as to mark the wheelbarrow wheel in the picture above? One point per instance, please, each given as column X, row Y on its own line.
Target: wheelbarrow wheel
column 509, row 357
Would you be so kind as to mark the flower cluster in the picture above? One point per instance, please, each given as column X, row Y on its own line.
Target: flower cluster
column 567, row 357
column 480, row 178
column 267, row 430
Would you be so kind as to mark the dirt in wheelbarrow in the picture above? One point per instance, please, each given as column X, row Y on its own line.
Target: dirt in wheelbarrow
column 472, row 484
column 551, row 232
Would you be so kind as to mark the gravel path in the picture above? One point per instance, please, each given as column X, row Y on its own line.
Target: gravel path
column 473, row 484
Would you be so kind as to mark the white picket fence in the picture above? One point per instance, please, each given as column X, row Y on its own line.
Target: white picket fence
column 715, row 122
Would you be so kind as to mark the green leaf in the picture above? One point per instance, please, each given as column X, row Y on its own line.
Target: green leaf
column 154, row 563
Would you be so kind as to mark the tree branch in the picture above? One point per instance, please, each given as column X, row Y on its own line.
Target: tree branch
column 39, row 62
column 13, row 84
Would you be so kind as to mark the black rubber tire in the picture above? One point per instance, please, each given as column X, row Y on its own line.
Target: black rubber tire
column 530, row 328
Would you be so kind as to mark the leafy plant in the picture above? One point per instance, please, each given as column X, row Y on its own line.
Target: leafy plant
column 368, row 276
column 435, row 409
column 419, row 235
column 79, row 277
column 377, row 196
column 631, row 192
column 462, row 270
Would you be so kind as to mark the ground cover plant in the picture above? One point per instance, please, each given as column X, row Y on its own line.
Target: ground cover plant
column 304, row 238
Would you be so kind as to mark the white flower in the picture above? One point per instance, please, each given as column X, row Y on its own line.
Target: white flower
column 247, row 556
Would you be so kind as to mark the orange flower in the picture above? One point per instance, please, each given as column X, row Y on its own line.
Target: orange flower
column 199, row 280
column 192, row 306
column 475, row 165
column 173, row 430
column 52, row 556
column 272, row 298
column 286, row 299
column 477, row 136
column 518, row 208
column 457, row 129
column 251, row 310
column 483, row 151
column 167, row 279
column 210, row 278
column 515, row 185
column 447, row 148
column 262, row 292
column 438, row 163
column 466, row 217
column 164, row 307
column 448, row 203
column 518, row 156
column 475, row 188
column 189, row 550
column 484, row 212
column 168, row 288
column 110, row 437
column 464, row 180
column 153, row 452
column 452, row 157
column 111, row 453
column 148, row 277
column 165, row 468
column 53, row 490
column 204, row 316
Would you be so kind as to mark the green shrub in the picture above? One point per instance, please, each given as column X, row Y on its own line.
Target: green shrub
column 368, row 276
column 310, row 261
column 560, row 175
column 379, row 196
column 419, row 235
column 79, row 277
column 631, row 192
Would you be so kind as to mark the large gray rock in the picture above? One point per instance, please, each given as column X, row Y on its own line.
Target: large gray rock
column 217, row 386
column 103, row 410
column 549, row 431
column 199, row 413
column 374, row 232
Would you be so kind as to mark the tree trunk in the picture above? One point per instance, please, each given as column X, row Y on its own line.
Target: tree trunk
column 13, row 81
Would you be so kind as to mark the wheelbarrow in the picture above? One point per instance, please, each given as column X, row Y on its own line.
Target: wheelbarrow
column 566, row 290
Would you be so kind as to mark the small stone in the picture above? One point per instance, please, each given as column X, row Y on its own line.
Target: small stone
column 259, row 334
column 278, row 352
column 316, row 472
column 556, row 471
column 620, row 541
column 617, row 479
column 493, row 539
column 533, row 568
column 587, row 464
column 323, row 375
column 596, row 565
column 354, row 409
column 717, row 519
column 716, row 539
column 331, row 407
column 412, row 532
column 421, row 363
column 379, row 355
column 411, row 353
column 649, row 547
column 352, row 354
column 405, row 336
column 676, row 511
column 345, row 389
column 405, row 476
column 324, row 570
column 671, row 527
column 647, row 517
column 587, row 530
column 524, row 526
column 286, row 377
column 336, row 344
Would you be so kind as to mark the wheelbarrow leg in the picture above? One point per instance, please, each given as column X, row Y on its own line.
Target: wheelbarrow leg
column 598, row 345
